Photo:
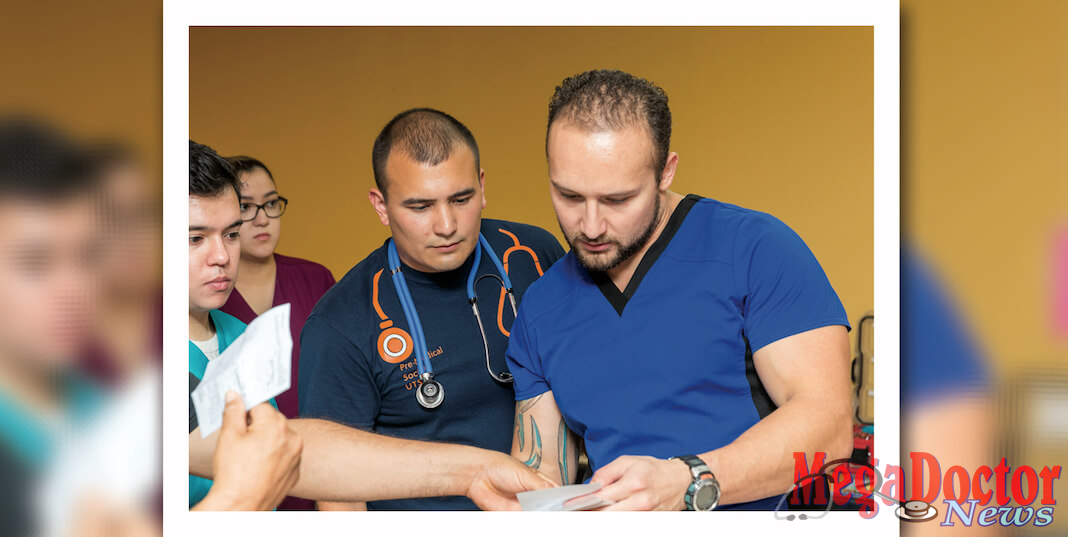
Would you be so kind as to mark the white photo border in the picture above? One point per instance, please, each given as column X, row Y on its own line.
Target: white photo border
column 179, row 15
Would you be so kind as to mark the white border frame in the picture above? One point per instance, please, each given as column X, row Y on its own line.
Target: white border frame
column 179, row 15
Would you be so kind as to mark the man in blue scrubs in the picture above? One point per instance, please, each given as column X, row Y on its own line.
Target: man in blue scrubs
column 693, row 345
column 358, row 363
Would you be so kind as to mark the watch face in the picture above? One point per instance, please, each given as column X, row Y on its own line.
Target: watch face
column 707, row 496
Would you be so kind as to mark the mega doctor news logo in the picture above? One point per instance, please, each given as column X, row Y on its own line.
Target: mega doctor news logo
column 981, row 497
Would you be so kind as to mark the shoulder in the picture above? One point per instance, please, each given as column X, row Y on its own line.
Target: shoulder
column 342, row 300
column 508, row 234
column 736, row 217
column 743, row 228
column 303, row 266
column 555, row 289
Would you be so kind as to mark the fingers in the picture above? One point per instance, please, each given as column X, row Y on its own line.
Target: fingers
column 234, row 414
column 264, row 413
column 534, row 480
column 611, row 472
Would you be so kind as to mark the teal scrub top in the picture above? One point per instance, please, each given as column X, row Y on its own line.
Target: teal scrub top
column 227, row 327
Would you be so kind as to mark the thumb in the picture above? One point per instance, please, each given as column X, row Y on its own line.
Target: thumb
column 534, row 480
column 234, row 420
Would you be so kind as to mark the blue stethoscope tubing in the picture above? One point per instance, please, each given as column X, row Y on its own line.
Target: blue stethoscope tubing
column 430, row 393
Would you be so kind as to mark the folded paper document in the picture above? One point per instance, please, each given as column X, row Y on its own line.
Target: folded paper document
column 256, row 365
column 569, row 498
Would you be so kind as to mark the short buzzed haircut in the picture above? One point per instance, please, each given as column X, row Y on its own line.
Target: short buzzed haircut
column 608, row 100
column 209, row 174
column 425, row 135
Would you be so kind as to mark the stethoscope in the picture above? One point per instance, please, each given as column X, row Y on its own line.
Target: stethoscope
column 430, row 393
column 908, row 511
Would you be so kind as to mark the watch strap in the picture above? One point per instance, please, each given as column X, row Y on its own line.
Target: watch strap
column 698, row 468
column 700, row 472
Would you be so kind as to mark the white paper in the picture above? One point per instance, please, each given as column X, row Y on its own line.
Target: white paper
column 556, row 499
column 116, row 457
column 255, row 365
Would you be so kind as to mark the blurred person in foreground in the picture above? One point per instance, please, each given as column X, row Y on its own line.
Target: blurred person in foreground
column 128, row 338
column 79, row 449
column 946, row 406
column 49, row 247
column 336, row 463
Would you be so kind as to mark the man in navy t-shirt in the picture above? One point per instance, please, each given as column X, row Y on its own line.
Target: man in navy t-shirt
column 693, row 345
column 358, row 347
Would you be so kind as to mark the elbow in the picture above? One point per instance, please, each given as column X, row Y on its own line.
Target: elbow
column 840, row 444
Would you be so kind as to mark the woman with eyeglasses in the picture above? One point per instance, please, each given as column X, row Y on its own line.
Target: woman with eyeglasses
column 266, row 279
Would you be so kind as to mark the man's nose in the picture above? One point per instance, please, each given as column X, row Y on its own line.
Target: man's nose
column 593, row 224
column 218, row 255
column 444, row 220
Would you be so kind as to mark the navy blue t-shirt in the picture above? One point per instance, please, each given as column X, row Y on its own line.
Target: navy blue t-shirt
column 664, row 368
column 354, row 371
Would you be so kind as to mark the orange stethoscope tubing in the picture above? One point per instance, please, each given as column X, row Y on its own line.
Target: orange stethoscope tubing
column 504, row 259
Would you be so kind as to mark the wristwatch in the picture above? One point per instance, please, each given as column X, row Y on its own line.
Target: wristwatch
column 703, row 492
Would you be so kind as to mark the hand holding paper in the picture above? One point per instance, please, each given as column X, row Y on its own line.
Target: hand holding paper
column 256, row 365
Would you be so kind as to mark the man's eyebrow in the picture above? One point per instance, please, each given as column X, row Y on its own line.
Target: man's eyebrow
column 427, row 201
column 275, row 192
column 623, row 194
column 237, row 223
column 558, row 187
column 463, row 193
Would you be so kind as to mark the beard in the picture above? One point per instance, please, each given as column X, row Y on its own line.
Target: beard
column 610, row 259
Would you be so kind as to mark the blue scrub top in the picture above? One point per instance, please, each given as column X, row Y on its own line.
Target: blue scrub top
column 664, row 368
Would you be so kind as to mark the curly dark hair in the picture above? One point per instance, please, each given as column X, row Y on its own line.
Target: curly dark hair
column 605, row 99
column 209, row 174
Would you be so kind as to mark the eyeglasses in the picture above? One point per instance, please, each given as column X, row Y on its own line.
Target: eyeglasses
column 273, row 209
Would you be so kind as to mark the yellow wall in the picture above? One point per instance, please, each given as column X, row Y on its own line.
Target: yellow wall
column 775, row 119
column 93, row 68
column 985, row 162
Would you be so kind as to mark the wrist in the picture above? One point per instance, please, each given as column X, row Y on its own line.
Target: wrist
column 219, row 499
column 467, row 463
column 682, row 477
column 703, row 493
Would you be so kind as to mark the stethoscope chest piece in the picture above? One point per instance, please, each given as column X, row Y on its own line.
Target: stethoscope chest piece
column 430, row 394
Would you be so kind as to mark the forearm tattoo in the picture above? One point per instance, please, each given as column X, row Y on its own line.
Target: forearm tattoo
column 562, row 445
column 534, row 460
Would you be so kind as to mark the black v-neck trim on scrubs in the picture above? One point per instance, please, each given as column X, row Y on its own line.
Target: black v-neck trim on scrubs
column 618, row 299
